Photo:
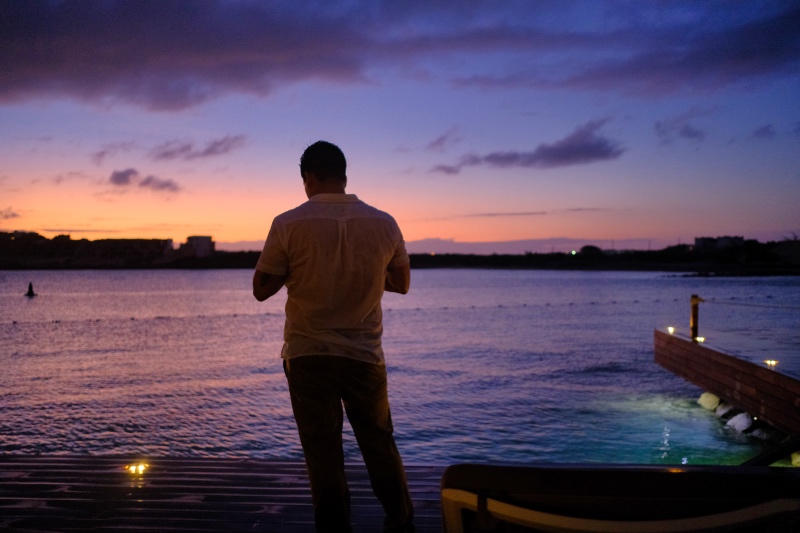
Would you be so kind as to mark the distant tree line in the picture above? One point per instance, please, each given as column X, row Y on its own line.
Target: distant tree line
column 750, row 257
column 27, row 250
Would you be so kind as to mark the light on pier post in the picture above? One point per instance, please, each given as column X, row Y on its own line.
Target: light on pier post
column 695, row 316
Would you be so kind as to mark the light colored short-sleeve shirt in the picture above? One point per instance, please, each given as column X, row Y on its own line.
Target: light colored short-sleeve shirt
column 335, row 251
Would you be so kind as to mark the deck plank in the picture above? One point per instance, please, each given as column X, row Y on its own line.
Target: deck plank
column 85, row 493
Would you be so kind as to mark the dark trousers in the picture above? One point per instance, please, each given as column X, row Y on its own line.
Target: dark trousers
column 319, row 386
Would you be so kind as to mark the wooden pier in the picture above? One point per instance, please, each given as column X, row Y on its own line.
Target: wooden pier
column 762, row 392
column 85, row 493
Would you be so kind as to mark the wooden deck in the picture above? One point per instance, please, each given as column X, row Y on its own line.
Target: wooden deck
column 762, row 392
column 88, row 494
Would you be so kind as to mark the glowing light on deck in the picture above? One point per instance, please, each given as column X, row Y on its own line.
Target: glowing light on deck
column 671, row 330
column 574, row 252
column 701, row 339
column 771, row 363
column 137, row 469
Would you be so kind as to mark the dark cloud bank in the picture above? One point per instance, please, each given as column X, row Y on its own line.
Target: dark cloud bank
column 170, row 55
column 582, row 146
column 131, row 178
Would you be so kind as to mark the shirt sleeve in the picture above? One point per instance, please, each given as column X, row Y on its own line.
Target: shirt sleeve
column 274, row 258
column 400, row 256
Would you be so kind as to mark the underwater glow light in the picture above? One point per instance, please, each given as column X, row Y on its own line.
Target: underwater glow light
column 137, row 469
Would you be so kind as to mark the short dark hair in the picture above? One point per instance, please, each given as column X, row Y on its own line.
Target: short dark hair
column 325, row 160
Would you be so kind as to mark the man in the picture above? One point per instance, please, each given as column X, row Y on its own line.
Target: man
column 337, row 255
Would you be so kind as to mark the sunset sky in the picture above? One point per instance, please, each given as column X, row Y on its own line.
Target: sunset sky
column 552, row 124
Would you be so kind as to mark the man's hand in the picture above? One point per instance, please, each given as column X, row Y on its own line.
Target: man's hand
column 398, row 279
column 266, row 285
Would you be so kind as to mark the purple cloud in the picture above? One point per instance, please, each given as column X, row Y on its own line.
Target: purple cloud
column 671, row 58
column 708, row 61
column 582, row 146
column 668, row 130
column 169, row 55
column 186, row 150
column 173, row 55
column 220, row 146
column 158, row 184
column 74, row 230
column 123, row 178
column 448, row 138
column 516, row 214
column 130, row 177
column 682, row 126
column 172, row 150
column 765, row 132
column 69, row 176
column 8, row 213
column 110, row 150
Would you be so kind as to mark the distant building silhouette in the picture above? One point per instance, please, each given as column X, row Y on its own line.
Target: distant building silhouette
column 197, row 246
column 717, row 243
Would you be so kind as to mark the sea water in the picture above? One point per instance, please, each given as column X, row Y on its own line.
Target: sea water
column 484, row 365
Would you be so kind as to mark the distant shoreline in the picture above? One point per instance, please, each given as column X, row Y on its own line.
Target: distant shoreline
column 728, row 256
column 695, row 264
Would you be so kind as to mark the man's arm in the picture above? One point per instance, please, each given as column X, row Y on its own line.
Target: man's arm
column 266, row 285
column 398, row 279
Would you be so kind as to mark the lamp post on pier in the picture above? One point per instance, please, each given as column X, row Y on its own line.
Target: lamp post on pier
column 693, row 322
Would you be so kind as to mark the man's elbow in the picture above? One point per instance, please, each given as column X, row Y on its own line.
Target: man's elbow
column 398, row 280
column 266, row 285
column 260, row 286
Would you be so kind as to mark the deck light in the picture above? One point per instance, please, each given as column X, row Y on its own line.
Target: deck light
column 671, row 330
column 700, row 339
column 137, row 469
column 771, row 363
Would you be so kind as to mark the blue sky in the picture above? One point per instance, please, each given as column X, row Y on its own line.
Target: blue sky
column 481, row 126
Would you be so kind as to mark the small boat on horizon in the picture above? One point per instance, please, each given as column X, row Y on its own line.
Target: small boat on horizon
column 30, row 293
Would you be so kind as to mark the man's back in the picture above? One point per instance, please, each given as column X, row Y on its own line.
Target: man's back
column 336, row 251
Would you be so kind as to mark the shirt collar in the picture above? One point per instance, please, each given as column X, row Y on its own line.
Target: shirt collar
column 329, row 197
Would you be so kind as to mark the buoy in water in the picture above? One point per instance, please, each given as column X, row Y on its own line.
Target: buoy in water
column 30, row 293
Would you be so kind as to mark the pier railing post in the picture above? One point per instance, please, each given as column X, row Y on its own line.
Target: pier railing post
column 693, row 322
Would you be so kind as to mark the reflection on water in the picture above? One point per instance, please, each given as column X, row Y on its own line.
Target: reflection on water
column 483, row 365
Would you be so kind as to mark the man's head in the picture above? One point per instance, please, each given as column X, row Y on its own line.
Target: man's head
column 325, row 160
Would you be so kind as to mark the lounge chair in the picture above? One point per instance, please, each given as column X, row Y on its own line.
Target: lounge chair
column 636, row 499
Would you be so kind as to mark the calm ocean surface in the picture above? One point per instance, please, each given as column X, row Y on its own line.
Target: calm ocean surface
column 484, row 365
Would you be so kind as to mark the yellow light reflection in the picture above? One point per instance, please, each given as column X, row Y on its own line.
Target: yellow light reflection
column 137, row 469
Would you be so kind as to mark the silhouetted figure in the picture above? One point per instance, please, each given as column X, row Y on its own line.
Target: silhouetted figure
column 30, row 293
column 337, row 256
